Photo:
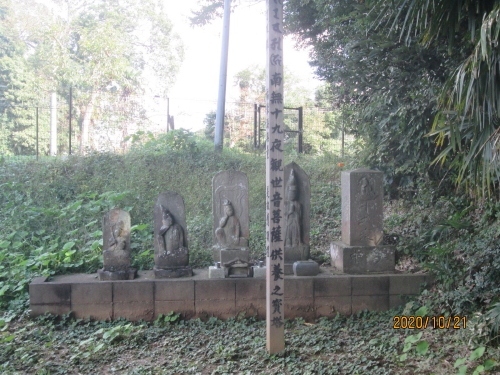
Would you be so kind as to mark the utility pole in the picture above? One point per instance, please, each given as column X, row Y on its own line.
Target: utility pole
column 221, row 101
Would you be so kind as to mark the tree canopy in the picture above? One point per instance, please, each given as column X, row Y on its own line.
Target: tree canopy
column 416, row 80
column 97, row 47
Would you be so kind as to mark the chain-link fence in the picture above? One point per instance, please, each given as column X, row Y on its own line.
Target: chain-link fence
column 79, row 122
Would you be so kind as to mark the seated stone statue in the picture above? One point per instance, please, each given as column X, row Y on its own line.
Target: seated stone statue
column 171, row 235
column 228, row 232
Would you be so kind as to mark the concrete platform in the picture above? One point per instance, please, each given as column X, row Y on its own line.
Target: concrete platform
column 145, row 298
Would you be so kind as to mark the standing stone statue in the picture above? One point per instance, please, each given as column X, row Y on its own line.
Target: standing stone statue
column 170, row 239
column 231, row 222
column 116, row 246
column 297, row 208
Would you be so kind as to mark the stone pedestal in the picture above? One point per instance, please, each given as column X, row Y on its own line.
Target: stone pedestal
column 172, row 272
column 361, row 250
column 362, row 259
column 105, row 275
column 305, row 268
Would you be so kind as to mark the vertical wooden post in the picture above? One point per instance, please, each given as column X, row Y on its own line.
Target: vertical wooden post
column 275, row 337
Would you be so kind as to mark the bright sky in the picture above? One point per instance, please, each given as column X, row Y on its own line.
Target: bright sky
column 195, row 92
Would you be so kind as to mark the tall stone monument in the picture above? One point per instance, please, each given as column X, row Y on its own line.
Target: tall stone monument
column 170, row 237
column 231, row 223
column 116, row 246
column 296, row 215
column 275, row 132
column 361, row 249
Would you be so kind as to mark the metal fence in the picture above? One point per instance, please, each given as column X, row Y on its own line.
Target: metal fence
column 114, row 121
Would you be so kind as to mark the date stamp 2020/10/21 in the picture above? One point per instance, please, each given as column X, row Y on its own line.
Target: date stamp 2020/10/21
column 423, row 322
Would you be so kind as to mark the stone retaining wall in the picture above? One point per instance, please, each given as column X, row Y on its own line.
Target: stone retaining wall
column 146, row 298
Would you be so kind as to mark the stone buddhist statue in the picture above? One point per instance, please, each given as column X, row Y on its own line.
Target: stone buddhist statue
column 231, row 223
column 116, row 246
column 171, row 236
column 228, row 231
column 293, row 210
column 171, row 251
column 297, row 208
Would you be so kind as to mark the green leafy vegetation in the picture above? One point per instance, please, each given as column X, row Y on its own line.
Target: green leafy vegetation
column 50, row 223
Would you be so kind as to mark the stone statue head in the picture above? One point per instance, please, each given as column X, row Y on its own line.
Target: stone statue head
column 119, row 228
column 228, row 207
column 291, row 188
column 167, row 218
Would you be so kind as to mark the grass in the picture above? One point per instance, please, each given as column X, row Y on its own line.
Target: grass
column 361, row 344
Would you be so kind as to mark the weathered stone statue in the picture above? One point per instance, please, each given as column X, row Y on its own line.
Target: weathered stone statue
column 228, row 232
column 116, row 246
column 297, row 208
column 293, row 211
column 231, row 222
column 171, row 251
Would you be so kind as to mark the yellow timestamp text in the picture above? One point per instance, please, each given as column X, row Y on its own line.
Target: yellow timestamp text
column 423, row 322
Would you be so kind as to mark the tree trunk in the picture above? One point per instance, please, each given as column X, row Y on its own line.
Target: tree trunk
column 87, row 118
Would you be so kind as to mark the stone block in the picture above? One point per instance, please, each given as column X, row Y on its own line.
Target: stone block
column 406, row 284
column 331, row 306
column 130, row 291
column 362, row 259
column 183, row 307
column 91, row 293
column 215, row 298
column 250, row 289
column 134, row 311
column 251, row 307
column 299, row 288
column 98, row 311
column 362, row 207
column 370, row 285
column 305, row 268
column 299, row 308
column 54, row 309
column 222, row 309
column 49, row 293
column 215, row 273
column 174, row 290
column 215, row 290
column 259, row 272
column 370, row 302
column 399, row 300
column 332, row 286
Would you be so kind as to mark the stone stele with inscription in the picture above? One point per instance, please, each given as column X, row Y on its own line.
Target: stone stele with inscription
column 361, row 249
